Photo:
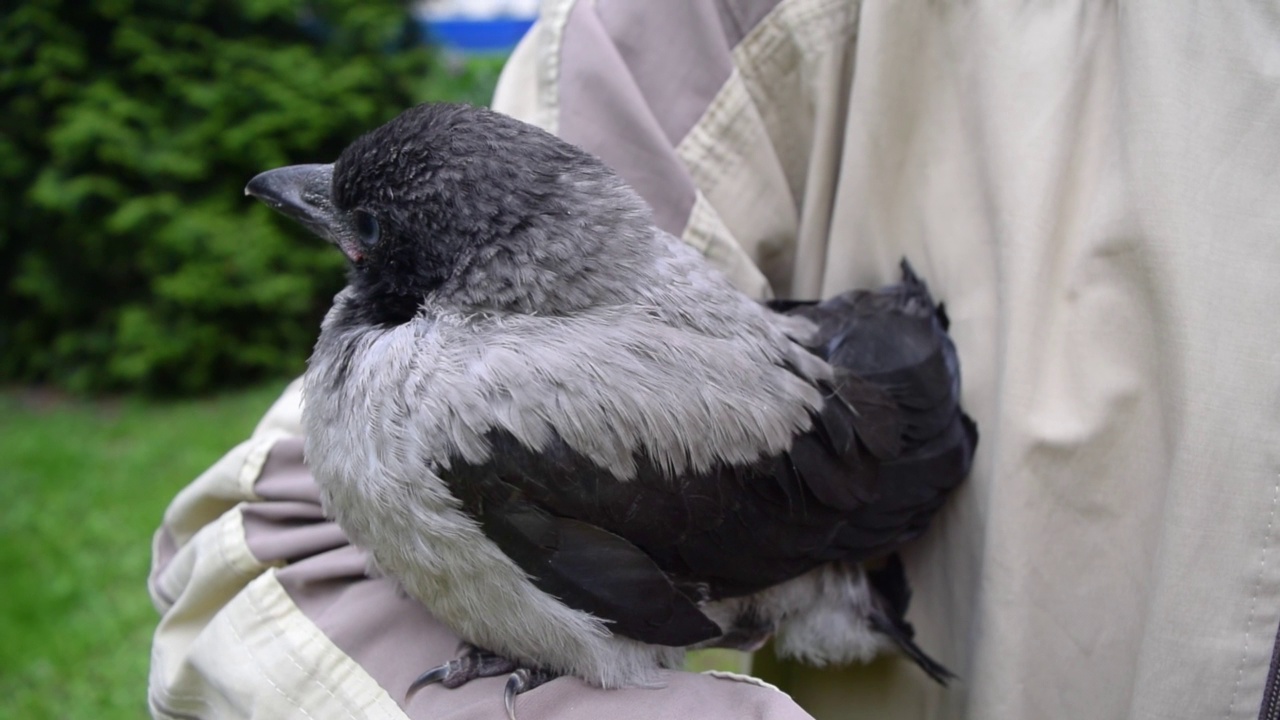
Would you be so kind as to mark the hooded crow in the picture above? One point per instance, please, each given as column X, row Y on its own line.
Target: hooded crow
column 569, row 437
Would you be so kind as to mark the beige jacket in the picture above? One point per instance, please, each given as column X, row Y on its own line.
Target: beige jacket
column 1094, row 190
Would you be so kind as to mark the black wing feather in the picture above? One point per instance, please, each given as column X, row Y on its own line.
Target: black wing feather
column 596, row 571
column 885, row 448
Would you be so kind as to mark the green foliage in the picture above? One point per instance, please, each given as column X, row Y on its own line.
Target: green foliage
column 130, row 256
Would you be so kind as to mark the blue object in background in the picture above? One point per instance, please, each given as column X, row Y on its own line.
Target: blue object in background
column 496, row 35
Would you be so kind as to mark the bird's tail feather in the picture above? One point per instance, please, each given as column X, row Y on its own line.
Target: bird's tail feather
column 890, row 596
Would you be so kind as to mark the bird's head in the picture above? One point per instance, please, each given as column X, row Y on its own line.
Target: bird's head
column 471, row 208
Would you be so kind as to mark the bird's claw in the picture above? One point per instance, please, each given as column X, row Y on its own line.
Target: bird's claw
column 521, row 681
column 514, row 686
column 432, row 676
column 472, row 663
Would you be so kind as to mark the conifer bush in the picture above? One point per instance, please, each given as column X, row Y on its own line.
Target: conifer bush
column 129, row 255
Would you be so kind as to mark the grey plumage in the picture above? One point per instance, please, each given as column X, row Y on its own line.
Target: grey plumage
column 576, row 443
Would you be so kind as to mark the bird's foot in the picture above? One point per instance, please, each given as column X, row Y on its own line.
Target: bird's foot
column 473, row 662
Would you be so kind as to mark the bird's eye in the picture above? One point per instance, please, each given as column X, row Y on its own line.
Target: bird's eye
column 367, row 228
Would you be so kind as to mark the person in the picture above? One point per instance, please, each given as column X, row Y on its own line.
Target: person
column 1090, row 187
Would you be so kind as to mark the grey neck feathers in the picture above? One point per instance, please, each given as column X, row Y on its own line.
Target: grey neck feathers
column 588, row 255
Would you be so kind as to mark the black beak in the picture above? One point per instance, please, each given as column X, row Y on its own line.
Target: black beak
column 304, row 193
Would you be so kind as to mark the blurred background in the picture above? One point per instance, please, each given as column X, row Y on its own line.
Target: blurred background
column 150, row 312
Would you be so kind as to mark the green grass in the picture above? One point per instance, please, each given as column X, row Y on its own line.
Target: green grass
column 83, row 485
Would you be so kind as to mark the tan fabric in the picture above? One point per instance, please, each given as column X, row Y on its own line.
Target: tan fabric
column 1092, row 188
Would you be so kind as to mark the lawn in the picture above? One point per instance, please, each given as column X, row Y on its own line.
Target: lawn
column 82, row 487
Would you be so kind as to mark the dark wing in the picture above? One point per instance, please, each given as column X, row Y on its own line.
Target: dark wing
column 643, row 553
column 895, row 338
column 593, row 570
column 876, row 464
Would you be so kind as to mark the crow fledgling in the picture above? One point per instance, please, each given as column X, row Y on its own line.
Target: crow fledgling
column 584, row 451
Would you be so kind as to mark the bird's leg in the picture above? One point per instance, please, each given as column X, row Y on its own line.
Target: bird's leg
column 473, row 662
